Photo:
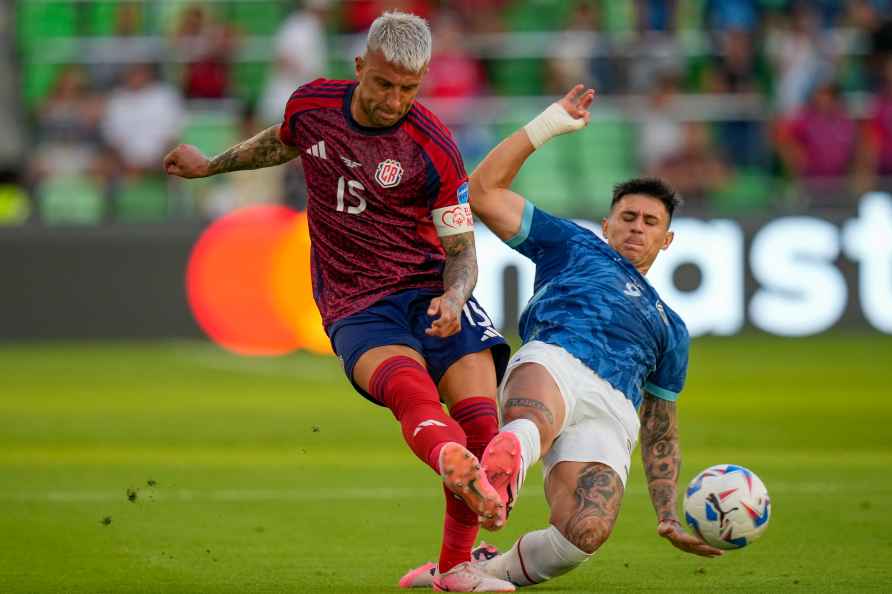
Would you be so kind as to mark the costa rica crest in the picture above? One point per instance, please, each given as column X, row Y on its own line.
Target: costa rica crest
column 389, row 173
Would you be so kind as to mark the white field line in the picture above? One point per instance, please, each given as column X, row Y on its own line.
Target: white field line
column 326, row 494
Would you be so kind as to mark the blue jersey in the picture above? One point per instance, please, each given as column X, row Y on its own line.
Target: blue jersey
column 593, row 303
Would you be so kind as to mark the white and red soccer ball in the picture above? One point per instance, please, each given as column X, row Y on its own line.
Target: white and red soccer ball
column 727, row 506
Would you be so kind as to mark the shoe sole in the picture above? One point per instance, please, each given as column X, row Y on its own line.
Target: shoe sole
column 501, row 463
column 463, row 476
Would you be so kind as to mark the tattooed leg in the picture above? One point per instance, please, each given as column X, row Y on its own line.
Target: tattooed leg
column 585, row 499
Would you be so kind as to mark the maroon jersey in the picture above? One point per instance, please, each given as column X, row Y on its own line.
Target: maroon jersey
column 378, row 197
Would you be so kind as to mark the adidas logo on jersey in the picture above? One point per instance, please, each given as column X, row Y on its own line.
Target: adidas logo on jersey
column 318, row 150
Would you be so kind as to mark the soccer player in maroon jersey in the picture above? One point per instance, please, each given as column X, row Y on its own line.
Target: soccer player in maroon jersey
column 393, row 265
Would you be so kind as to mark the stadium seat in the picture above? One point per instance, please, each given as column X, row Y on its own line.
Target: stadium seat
column 39, row 19
column 750, row 191
column 101, row 17
column 71, row 200
column 518, row 77
column 248, row 79
column 212, row 131
column 538, row 15
column 618, row 17
column 257, row 18
column 142, row 200
column 37, row 80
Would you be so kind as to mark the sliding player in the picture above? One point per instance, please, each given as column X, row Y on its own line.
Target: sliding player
column 600, row 348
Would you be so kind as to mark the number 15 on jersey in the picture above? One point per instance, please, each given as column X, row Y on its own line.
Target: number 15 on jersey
column 355, row 189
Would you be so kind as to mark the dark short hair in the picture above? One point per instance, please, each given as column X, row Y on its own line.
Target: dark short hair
column 649, row 186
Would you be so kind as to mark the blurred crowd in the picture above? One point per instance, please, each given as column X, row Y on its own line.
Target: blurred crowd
column 752, row 103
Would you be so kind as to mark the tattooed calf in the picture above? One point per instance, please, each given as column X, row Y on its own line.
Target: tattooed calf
column 599, row 493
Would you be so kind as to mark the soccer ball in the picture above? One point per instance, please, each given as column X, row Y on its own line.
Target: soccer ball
column 727, row 506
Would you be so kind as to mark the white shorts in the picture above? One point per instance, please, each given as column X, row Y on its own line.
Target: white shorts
column 600, row 425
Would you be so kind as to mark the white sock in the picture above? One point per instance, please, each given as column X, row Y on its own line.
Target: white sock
column 528, row 435
column 536, row 557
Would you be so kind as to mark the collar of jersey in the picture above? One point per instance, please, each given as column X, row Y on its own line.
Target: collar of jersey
column 370, row 130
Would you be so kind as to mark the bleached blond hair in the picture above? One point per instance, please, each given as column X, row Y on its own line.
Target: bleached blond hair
column 404, row 39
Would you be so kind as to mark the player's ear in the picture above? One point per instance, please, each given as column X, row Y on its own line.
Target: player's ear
column 670, row 235
column 604, row 227
column 359, row 62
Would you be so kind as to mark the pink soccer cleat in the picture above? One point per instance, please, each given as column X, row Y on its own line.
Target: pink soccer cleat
column 467, row 577
column 463, row 476
column 501, row 463
column 423, row 575
column 420, row 577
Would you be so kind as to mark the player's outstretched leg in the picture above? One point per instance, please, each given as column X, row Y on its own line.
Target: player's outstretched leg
column 479, row 419
column 585, row 500
column 404, row 386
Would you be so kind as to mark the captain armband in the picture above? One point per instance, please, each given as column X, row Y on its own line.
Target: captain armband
column 453, row 220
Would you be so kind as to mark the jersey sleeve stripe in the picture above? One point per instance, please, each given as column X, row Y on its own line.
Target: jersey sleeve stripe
column 323, row 89
column 661, row 393
column 318, row 90
column 441, row 132
column 526, row 222
column 431, row 117
column 334, row 95
column 456, row 161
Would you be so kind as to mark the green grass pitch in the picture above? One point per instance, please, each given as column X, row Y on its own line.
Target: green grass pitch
column 176, row 467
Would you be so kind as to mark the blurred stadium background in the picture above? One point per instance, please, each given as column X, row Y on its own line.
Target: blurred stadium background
column 154, row 460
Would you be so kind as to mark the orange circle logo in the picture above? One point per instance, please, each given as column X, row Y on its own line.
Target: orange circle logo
column 248, row 283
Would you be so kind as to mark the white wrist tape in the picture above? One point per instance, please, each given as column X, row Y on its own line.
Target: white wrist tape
column 552, row 122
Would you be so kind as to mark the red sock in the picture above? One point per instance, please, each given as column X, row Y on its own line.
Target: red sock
column 479, row 418
column 405, row 387
column 460, row 528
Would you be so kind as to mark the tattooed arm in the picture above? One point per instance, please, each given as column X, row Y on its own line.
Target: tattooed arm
column 459, row 279
column 263, row 150
column 661, row 455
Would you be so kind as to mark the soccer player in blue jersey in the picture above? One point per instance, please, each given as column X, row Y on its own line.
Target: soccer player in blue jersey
column 602, row 362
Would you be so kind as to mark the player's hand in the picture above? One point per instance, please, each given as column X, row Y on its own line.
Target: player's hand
column 672, row 531
column 577, row 102
column 447, row 310
column 186, row 161
column 567, row 115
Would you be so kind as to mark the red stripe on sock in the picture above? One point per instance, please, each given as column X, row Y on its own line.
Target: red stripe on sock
column 479, row 419
column 523, row 566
